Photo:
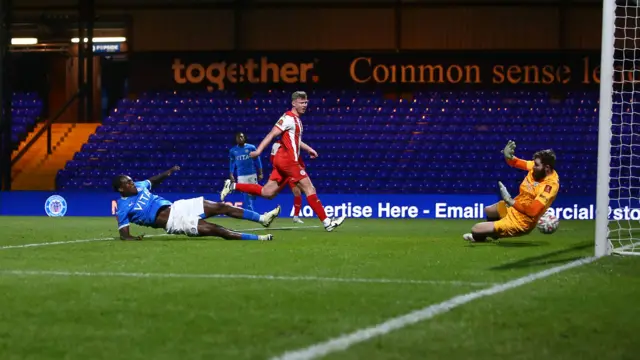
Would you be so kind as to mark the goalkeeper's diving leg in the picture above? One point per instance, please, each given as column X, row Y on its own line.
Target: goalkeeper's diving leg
column 496, row 211
column 507, row 226
column 480, row 232
column 502, row 221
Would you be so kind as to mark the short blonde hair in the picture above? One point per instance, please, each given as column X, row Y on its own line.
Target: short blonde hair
column 298, row 95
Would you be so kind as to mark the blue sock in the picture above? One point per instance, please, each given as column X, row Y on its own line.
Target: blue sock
column 248, row 202
column 249, row 237
column 250, row 215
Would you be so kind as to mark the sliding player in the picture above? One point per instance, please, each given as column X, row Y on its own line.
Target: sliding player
column 249, row 170
column 515, row 217
column 297, row 195
column 287, row 162
column 139, row 206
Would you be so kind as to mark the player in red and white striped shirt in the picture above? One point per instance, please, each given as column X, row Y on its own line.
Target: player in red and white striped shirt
column 287, row 165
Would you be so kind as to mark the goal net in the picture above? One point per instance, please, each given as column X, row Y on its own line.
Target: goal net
column 618, row 194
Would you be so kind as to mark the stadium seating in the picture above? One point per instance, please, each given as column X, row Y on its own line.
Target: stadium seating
column 437, row 142
column 26, row 108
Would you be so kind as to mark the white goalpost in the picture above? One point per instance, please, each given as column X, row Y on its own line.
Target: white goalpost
column 618, row 188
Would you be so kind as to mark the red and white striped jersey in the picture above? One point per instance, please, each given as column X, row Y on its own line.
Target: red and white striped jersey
column 291, row 126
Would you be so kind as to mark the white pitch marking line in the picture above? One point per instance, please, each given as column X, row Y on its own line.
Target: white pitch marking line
column 239, row 276
column 343, row 342
column 279, row 228
column 66, row 242
column 146, row 236
column 52, row 243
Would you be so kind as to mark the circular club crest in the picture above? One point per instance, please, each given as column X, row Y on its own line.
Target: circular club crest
column 55, row 206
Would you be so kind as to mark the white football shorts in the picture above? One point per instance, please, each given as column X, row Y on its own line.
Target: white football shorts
column 185, row 215
column 248, row 179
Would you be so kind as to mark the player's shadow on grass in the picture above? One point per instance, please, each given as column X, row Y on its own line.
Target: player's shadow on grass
column 509, row 243
column 164, row 237
column 520, row 243
column 546, row 259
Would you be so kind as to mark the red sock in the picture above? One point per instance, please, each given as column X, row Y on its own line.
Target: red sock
column 316, row 206
column 251, row 189
column 297, row 205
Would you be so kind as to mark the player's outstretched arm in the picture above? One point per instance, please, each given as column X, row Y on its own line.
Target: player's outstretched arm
column 275, row 132
column 512, row 160
column 544, row 198
column 156, row 180
column 537, row 206
column 534, row 209
column 309, row 149
column 125, row 235
column 504, row 194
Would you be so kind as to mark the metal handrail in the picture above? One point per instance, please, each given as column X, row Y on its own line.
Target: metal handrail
column 47, row 128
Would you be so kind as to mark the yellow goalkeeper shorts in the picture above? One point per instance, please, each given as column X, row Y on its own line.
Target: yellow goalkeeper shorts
column 502, row 209
column 512, row 223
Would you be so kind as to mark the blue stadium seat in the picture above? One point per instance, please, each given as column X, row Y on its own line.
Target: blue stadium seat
column 26, row 108
column 436, row 142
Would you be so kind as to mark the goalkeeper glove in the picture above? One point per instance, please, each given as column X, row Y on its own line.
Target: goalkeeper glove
column 509, row 150
column 504, row 194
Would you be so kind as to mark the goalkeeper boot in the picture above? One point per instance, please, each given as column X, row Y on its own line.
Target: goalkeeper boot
column 270, row 216
column 334, row 223
column 469, row 237
column 227, row 189
column 296, row 220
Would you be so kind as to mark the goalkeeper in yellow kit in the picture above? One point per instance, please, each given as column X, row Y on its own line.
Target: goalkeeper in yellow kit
column 515, row 217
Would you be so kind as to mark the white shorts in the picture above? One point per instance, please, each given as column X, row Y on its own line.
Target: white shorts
column 248, row 179
column 184, row 216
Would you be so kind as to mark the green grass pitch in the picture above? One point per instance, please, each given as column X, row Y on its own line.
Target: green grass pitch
column 171, row 297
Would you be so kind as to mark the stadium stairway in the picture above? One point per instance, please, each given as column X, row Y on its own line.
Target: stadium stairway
column 28, row 138
column 37, row 170
column 38, row 151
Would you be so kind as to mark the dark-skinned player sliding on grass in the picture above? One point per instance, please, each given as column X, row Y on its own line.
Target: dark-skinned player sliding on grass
column 139, row 206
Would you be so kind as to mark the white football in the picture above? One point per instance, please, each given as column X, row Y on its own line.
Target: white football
column 548, row 223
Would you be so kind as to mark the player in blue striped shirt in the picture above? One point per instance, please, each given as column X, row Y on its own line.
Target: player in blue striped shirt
column 139, row 206
column 249, row 170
